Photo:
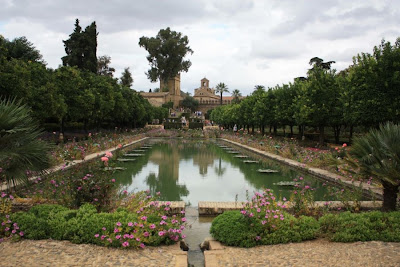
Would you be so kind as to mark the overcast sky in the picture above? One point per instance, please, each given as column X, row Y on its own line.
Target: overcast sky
column 242, row 43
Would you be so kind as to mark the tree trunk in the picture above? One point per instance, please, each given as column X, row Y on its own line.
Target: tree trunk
column 291, row 130
column 248, row 129
column 284, row 131
column 321, row 135
column 252, row 129
column 275, row 129
column 351, row 133
column 389, row 196
column 336, row 131
column 262, row 129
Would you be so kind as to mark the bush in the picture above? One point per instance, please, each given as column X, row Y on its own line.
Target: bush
column 234, row 229
column 368, row 226
column 147, row 226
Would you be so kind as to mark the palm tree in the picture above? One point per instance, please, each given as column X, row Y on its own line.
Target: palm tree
column 20, row 147
column 259, row 88
column 221, row 88
column 378, row 154
column 236, row 96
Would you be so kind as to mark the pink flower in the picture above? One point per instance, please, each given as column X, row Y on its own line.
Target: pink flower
column 344, row 145
column 119, row 145
column 183, row 219
column 103, row 229
column 96, row 235
column 142, row 245
column 161, row 233
column 21, row 233
column 117, row 236
column 164, row 217
column 130, row 224
column 152, row 226
column 109, row 154
column 104, row 159
column 113, row 180
column 125, row 244
column 143, row 218
column 118, row 224
column 146, row 234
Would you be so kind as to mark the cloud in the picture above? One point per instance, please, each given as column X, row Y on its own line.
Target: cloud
column 239, row 42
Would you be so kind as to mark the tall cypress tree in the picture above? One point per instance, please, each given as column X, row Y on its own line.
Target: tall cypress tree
column 81, row 48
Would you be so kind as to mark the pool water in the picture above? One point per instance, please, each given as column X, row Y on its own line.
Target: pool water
column 201, row 170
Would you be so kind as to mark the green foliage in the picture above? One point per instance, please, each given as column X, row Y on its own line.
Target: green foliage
column 20, row 148
column 190, row 102
column 377, row 154
column 148, row 225
column 103, row 66
column 81, row 48
column 221, row 88
column 126, row 79
column 233, row 229
column 368, row 226
column 166, row 54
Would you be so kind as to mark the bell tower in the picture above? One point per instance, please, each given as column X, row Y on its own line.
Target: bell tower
column 174, row 89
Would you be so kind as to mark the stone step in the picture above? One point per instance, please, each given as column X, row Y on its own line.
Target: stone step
column 210, row 208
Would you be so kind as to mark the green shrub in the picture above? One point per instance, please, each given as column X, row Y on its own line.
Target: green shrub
column 33, row 227
column 148, row 226
column 234, row 229
column 367, row 226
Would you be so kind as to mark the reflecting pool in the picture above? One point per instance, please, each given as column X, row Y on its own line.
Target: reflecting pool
column 201, row 170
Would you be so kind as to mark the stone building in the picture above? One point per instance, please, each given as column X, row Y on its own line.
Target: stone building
column 172, row 95
column 207, row 97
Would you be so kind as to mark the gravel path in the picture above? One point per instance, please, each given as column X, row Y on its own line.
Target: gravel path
column 64, row 253
column 311, row 253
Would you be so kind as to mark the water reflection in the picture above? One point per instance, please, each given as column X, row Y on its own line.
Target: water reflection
column 180, row 170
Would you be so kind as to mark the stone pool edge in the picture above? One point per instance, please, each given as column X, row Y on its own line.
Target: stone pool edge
column 324, row 174
column 74, row 162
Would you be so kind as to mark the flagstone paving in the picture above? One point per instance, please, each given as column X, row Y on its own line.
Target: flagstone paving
column 311, row 253
column 64, row 253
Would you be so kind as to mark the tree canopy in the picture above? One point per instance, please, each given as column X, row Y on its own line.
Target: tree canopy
column 81, row 48
column 166, row 54
column 126, row 79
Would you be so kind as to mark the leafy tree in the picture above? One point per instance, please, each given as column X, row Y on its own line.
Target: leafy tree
column 126, row 78
column 21, row 48
column 259, row 88
column 190, row 102
column 103, row 66
column 81, row 48
column 377, row 154
column 236, row 96
column 221, row 88
column 166, row 54
column 20, row 148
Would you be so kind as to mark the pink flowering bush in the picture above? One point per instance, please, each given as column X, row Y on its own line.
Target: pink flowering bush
column 262, row 221
column 153, row 225
column 82, row 183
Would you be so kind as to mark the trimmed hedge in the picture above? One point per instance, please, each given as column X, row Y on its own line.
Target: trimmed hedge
column 84, row 225
column 234, row 229
column 367, row 226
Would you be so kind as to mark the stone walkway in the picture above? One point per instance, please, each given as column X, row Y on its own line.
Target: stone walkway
column 311, row 253
column 63, row 253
